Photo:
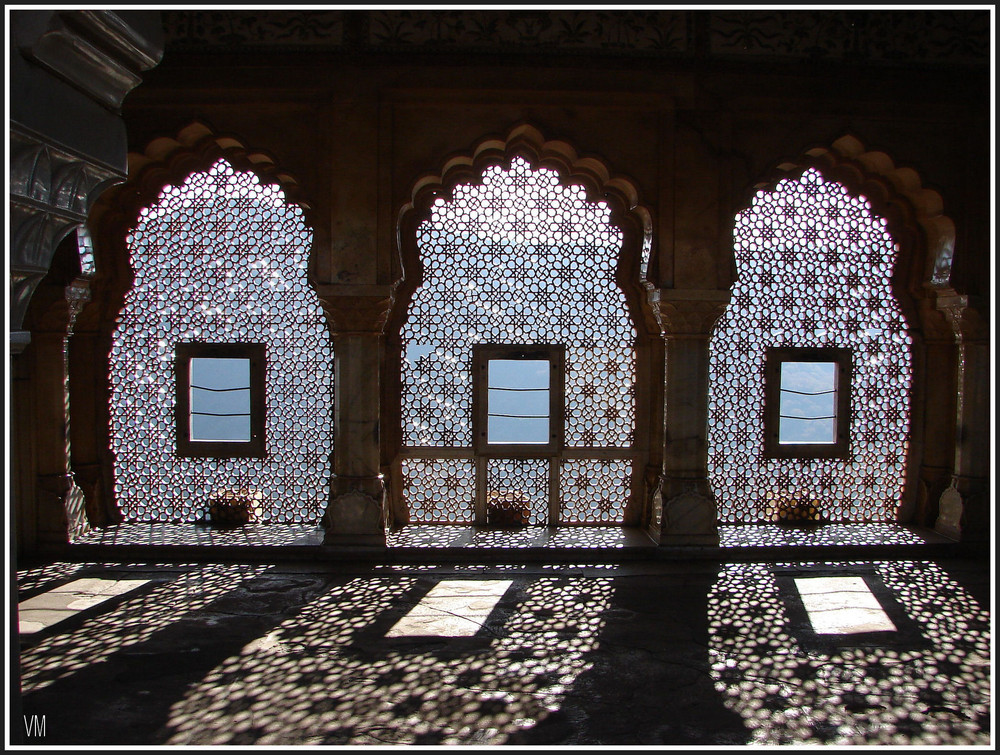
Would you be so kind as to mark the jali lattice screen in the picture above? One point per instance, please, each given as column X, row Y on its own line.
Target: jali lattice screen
column 814, row 268
column 519, row 259
column 221, row 259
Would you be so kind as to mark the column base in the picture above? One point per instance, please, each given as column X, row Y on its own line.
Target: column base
column 689, row 517
column 949, row 521
column 354, row 541
column 962, row 511
column 356, row 512
column 667, row 541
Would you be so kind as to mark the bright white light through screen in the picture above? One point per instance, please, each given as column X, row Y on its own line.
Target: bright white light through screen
column 452, row 608
column 808, row 402
column 842, row 605
column 518, row 404
column 220, row 399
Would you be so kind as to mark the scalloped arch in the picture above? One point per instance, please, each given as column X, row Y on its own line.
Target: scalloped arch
column 526, row 141
column 166, row 161
column 915, row 213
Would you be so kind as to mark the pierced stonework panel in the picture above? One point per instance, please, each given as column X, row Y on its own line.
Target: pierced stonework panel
column 440, row 491
column 594, row 490
column 518, row 259
column 517, row 489
column 221, row 259
column 814, row 269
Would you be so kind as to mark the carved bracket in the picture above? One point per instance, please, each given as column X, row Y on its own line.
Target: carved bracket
column 51, row 192
column 965, row 320
column 687, row 314
column 98, row 51
column 356, row 310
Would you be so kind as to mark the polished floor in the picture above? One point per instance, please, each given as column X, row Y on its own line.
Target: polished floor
column 707, row 651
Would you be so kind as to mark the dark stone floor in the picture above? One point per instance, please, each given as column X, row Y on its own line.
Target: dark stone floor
column 636, row 653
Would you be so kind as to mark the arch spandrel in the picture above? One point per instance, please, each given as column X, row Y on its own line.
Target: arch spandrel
column 915, row 213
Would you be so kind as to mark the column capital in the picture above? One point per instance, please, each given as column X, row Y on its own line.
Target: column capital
column 688, row 313
column 355, row 310
column 964, row 315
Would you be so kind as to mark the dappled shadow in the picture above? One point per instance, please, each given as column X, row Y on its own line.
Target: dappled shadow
column 188, row 534
column 774, row 535
column 240, row 654
column 451, row 536
column 33, row 579
column 927, row 684
column 92, row 638
column 474, row 654
column 330, row 676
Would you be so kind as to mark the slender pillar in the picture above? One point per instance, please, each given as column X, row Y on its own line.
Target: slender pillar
column 60, row 503
column 356, row 511
column 964, row 510
column 933, row 414
column 685, row 511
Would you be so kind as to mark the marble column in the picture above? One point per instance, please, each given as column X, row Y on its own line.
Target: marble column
column 356, row 315
column 685, row 511
column 932, row 441
column 60, row 509
column 964, row 508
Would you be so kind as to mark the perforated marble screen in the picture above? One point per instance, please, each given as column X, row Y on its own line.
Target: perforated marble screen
column 814, row 269
column 518, row 259
column 221, row 259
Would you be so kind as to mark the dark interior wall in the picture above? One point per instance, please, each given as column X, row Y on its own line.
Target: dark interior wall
column 356, row 132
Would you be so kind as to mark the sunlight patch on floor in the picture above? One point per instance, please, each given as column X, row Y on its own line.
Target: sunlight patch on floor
column 60, row 603
column 842, row 605
column 452, row 608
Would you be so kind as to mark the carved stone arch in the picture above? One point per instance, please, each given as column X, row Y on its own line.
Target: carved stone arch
column 166, row 161
column 526, row 141
column 600, row 183
column 914, row 215
column 925, row 237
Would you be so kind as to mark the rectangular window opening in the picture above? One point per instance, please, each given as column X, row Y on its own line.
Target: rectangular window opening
column 220, row 399
column 808, row 408
column 220, row 403
column 807, row 403
column 517, row 399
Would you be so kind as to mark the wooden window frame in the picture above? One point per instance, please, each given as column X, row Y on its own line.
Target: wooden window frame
column 840, row 449
column 482, row 354
column 184, row 352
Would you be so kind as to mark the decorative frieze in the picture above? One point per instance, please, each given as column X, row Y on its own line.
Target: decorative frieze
column 880, row 37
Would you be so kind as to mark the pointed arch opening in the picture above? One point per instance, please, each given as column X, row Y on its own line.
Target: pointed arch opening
column 522, row 318
column 816, row 266
column 219, row 385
